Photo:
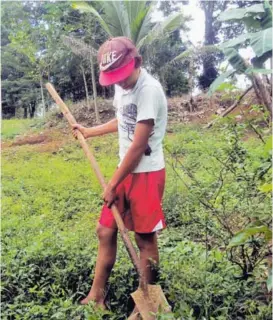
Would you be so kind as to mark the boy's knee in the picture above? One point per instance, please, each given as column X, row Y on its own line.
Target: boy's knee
column 105, row 234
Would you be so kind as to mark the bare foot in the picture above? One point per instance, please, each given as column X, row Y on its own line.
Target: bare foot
column 88, row 299
column 135, row 315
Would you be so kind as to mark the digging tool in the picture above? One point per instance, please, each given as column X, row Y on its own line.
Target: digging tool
column 148, row 298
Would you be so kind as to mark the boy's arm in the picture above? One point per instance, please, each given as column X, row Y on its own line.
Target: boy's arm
column 142, row 133
column 108, row 127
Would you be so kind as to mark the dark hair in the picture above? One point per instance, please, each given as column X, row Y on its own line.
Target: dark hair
column 138, row 61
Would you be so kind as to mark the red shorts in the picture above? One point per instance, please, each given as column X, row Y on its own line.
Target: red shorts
column 139, row 203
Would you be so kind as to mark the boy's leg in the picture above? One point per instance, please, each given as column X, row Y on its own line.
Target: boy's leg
column 105, row 261
column 149, row 257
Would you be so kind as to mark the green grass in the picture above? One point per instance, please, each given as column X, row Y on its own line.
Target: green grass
column 49, row 190
column 50, row 205
column 13, row 127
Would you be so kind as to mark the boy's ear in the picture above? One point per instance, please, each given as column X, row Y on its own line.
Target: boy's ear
column 138, row 62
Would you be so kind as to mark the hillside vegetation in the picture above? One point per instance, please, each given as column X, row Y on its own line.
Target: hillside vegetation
column 214, row 254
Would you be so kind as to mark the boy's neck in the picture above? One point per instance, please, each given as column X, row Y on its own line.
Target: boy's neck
column 135, row 76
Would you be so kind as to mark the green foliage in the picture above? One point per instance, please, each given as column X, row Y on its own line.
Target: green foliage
column 216, row 187
column 241, row 237
column 170, row 24
column 261, row 71
column 33, row 53
column 131, row 19
column 48, row 240
column 219, row 81
column 259, row 16
column 13, row 127
column 84, row 7
column 157, row 59
column 238, row 14
column 261, row 42
column 196, row 281
column 226, row 87
column 49, row 214
column 269, row 281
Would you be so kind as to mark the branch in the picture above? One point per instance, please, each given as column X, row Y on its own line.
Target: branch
column 235, row 261
column 206, row 204
column 257, row 132
column 230, row 108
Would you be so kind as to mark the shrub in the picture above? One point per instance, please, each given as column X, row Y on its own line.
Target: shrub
column 51, row 202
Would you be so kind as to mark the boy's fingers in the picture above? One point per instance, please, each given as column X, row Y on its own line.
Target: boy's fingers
column 114, row 201
column 74, row 133
column 76, row 126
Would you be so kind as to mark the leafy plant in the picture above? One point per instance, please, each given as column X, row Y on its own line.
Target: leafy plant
column 259, row 18
column 49, row 212
column 131, row 19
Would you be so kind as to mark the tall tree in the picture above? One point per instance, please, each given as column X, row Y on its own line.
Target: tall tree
column 28, row 37
column 132, row 19
column 215, row 30
column 165, row 49
column 20, row 87
column 31, row 39
column 85, row 51
column 258, row 21
column 210, row 8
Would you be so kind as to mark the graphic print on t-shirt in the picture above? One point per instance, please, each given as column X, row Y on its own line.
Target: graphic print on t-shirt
column 128, row 124
column 129, row 116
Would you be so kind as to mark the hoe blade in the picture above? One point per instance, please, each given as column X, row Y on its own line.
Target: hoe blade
column 149, row 302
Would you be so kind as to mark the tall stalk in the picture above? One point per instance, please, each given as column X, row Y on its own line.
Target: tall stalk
column 85, row 86
column 42, row 95
column 94, row 89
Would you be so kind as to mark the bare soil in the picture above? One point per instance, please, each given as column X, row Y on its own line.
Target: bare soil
column 50, row 140
column 199, row 109
column 41, row 138
column 182, row 109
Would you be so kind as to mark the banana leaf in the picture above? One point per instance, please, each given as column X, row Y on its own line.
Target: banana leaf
column 218, row 81
column 240, row 13
column 261, row 41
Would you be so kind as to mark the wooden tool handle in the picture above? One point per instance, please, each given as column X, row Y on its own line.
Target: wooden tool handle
column 123, row 231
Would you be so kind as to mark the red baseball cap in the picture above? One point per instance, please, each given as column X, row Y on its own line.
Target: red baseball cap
column 116, row 59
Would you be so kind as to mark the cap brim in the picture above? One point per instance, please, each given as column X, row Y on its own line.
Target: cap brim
column 115, row 76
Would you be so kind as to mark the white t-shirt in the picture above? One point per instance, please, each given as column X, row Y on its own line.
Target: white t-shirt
column 145, row 101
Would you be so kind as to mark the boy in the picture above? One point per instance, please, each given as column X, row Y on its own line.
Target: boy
column 138, row 183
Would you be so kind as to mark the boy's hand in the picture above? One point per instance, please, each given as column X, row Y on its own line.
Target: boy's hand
column 82, row 129
column 109, row 195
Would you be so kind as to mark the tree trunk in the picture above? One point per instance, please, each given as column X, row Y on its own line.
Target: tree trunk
column 260, row 89
column 271, row 76
column 25, row 112
column 85, row 86
column 260, row 100
column 191, row 83
column 32, row 108
column 209, row 71
column 42, row 94
column 94, row 89
column 264, row 93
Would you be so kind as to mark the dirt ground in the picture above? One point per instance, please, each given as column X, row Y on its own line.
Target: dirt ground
column 49, row 140
column 182, row 109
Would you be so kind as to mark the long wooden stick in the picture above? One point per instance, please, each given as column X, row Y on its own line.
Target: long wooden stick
column 123, row 231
